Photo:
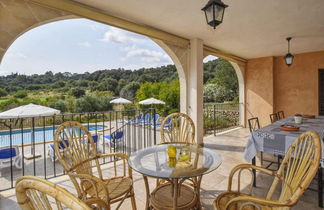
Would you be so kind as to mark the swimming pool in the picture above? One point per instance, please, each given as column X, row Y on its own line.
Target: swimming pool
column 19, row 137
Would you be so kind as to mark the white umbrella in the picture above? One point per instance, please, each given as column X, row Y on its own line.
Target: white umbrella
column 120, row 101
column 150, row 101
column 32, row 111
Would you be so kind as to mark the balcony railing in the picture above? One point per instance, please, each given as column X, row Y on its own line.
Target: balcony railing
column 31, row 137
column 219, row 117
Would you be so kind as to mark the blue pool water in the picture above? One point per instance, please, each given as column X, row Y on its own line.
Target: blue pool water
column 18, row 137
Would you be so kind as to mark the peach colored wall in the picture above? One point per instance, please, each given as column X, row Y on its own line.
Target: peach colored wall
column 272, row 86
column 296, row 87
column 259, row 89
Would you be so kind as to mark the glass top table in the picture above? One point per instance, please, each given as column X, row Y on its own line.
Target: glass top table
column 190, row 161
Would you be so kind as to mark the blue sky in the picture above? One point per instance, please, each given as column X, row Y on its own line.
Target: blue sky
column 78, row 46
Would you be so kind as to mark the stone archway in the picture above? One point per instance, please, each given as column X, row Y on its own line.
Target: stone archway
column 18, row 17
column 23, row 16
column 179, row 57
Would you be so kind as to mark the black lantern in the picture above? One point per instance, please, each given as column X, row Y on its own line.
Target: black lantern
column 289, row 57
column 214, row 12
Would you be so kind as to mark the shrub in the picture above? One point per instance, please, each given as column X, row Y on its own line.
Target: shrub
column 21, row 94
column 3, row 92
column 60, row 105
column 77, row 92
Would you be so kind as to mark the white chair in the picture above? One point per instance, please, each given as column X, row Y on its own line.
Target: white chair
column 51, row 151
column 8, row 154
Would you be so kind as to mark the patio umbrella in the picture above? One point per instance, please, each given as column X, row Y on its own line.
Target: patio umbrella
column 120, row 101
column 32, row 111
column 151, row 101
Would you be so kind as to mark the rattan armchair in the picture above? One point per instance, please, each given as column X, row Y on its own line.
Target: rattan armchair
column 36, row 193
column 81, row 162
column 296, row 172
column 178, row 128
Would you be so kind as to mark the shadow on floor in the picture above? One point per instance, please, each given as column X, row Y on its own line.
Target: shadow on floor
column 225, row 147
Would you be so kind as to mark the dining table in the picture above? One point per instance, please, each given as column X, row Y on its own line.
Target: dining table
column 187, row 162
column 274, row 140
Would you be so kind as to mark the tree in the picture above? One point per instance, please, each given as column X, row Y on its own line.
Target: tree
column 225, row 76
column 121, row 83
column 60, row 105
column 21, row 94
column 34, row 87
column 92, row 103
column 216, row 93
column 3, row 92
column 108, row 84
column 167, row 92
column 83, row 83
column 170, row 94
column 129, row 91
column 58, row 84
column 77, row 92
column 148, row 90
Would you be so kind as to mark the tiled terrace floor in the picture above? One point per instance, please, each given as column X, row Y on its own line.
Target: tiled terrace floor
column 230, row 146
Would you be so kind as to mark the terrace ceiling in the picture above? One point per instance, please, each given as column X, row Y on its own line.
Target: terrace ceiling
column 251, row 28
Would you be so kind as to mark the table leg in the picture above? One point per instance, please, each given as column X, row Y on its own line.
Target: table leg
column 147, row 188
column 320, row 187
column 198, row 191
column 254, row 172
column 175, row 193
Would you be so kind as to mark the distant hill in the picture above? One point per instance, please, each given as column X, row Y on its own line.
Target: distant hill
column 102, row 80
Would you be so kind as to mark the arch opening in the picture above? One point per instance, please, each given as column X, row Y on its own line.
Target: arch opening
column 223, row 94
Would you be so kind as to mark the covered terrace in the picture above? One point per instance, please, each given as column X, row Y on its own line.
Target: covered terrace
column 252, row 37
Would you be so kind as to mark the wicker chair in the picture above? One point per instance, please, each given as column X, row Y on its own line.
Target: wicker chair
column 180, row 129
column 36, row 193
column 296, row 172
column 176, row 128
column 80, row 160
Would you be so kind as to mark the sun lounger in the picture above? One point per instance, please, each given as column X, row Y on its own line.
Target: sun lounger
column 8, row 154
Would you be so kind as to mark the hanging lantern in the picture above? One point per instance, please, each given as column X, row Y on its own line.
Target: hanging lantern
column 289, row 57
column 214, row 12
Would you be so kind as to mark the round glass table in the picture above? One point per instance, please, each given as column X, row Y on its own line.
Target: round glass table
column 174, row 163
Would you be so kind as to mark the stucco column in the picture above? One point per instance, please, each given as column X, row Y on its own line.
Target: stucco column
column 195, row 87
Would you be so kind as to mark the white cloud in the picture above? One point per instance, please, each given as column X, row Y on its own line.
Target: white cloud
column 121, row 36
column 3, row 73
column 84, row 44
column 209, row 58
column 96, row 26
column 149, row 58
column 19, row 55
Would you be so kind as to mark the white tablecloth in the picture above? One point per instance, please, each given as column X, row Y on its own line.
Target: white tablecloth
column 271, row 139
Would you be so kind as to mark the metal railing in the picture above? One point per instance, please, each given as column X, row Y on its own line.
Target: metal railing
column 34, row 136
column 219, row 117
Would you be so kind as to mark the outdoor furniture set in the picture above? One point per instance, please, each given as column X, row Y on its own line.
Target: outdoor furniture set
column 178, row 165
column 276, row 139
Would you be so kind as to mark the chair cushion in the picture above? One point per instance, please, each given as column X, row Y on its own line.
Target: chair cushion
column 62, row 146
column 224, row 198
column 7, row 153
column 95, row 138
column 117, row 187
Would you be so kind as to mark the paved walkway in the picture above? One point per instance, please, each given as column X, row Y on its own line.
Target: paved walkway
column 230, row 146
